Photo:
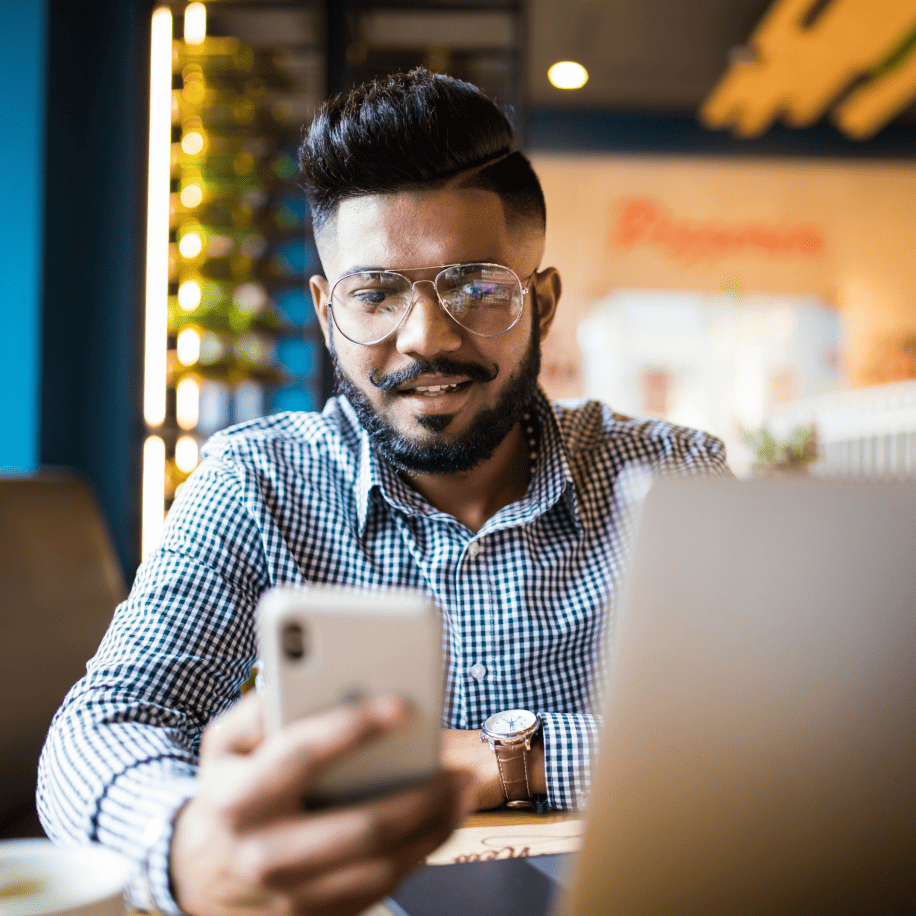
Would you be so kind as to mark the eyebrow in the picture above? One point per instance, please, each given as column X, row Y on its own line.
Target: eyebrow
column 360, row 268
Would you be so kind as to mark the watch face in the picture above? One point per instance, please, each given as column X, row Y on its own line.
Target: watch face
column 510, row 722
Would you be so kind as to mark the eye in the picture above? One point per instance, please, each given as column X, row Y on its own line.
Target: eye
column 376, row 301
column 372, row 293
column 369, row 297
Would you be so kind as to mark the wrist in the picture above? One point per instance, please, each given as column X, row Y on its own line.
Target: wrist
column 536, row 768
column 152, row 890
column 513, row 736
column 179, row 853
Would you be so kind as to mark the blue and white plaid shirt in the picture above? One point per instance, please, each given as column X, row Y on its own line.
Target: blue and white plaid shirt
column 297, row 498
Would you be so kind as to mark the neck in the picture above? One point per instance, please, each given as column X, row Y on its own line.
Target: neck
column 476, row 495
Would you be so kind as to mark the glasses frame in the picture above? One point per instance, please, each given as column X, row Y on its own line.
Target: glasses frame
column 410, row 302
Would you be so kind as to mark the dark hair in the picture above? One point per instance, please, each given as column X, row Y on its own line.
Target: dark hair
column 413, row 131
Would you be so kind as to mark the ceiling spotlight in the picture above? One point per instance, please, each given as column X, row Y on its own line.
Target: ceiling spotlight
column 567, row 74
column 195, row 23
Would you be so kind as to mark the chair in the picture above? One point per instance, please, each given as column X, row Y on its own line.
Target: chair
column 60, row 581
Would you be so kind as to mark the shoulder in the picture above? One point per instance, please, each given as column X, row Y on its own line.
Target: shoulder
column 592, row 428
column 291, row 435
column 286, row 452
column 265, row 483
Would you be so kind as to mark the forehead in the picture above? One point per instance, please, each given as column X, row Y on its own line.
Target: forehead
column 418, row 229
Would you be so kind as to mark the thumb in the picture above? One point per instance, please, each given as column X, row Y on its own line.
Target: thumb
column 239, row 730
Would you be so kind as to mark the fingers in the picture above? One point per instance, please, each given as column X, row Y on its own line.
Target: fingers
column 350, row 889
column 353, row 886
column 246, row 839
column 425, row 841
column 425, row 815
column 400, row 829
column 239, row 730
column 288, row 762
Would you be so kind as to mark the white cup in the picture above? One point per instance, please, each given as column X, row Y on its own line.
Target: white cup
column 38, row 878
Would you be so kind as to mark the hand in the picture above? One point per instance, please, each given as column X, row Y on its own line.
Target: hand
column 246, row 845
column 463, row 750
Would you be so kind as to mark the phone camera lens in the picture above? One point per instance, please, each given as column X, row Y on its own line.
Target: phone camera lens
column 294, row 644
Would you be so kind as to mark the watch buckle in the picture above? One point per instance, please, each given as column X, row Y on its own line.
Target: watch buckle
column 520, row 803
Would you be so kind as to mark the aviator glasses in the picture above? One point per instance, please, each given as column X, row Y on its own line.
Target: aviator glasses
column 369, row 305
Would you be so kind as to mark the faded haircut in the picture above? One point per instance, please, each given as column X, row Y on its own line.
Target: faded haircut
column 414, row 131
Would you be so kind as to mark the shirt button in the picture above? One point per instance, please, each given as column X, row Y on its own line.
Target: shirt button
column 478, row 671
column 474, row 549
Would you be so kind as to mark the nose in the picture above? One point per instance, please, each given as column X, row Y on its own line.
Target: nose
column 427, row 330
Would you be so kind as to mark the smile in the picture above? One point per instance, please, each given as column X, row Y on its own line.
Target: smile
column 433, row 391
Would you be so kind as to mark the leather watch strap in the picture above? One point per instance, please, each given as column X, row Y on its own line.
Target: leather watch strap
column 512, row 760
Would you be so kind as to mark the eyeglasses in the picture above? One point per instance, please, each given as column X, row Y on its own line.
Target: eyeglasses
column 369, row 305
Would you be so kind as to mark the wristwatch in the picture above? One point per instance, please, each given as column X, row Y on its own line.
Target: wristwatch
column 510, row 734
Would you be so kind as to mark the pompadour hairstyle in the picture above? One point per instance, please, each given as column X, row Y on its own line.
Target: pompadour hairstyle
column 414, row 131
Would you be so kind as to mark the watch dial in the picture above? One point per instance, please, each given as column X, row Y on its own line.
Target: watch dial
column 511, row 721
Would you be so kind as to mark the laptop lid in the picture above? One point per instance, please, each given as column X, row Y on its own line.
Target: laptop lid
column 759, row 747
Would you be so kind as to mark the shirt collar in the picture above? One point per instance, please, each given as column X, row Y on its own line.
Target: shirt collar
column 552, row 481
column 376, row 479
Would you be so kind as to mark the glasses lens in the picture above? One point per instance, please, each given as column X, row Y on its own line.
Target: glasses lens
column 484, row 298
column 368, row 305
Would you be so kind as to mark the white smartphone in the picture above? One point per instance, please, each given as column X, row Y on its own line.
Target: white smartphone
column 325, row 645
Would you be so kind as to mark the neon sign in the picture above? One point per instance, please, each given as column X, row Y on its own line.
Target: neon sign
column 644, row 221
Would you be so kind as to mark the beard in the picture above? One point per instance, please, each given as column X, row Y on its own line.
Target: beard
column 446, row 454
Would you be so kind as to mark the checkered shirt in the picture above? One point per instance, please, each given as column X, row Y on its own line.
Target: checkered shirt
column 527, row 603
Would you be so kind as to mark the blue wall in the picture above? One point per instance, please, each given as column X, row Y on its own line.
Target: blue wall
column 73, row 96
column 22, row 90
column 94, row 243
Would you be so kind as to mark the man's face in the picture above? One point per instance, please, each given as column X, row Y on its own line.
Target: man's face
column 487, row 381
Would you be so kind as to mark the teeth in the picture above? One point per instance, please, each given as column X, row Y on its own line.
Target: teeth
column 432, row 390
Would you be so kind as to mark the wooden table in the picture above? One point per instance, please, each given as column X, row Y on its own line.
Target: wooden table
column 503, row 817
column 502, row 821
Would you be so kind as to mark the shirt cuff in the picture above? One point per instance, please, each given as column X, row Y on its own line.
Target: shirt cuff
column 570, row 744
column 150, row 890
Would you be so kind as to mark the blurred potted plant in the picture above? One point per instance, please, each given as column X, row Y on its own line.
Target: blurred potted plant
column 791, row 455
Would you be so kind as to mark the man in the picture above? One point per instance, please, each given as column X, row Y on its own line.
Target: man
column 442, row 467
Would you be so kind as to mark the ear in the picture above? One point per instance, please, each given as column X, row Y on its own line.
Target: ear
column 546, row 291
column 321, row 295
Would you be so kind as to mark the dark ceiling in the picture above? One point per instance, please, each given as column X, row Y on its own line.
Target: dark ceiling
column 653, row 58
column 642, row 55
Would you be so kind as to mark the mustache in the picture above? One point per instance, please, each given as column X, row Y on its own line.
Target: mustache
column 473, row 371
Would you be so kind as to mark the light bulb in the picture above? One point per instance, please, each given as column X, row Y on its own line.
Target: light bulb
column 192, row 143
column 188, row 346
column 191, row 195
column 190, row 245
column 187, row 402
column 189, row 295
column 195, row 23
column 186, row 454
column 567, row 74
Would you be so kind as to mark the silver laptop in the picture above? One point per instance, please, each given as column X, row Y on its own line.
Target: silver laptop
column 759, row 746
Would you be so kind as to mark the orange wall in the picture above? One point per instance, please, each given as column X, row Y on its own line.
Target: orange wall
column 842, row 232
